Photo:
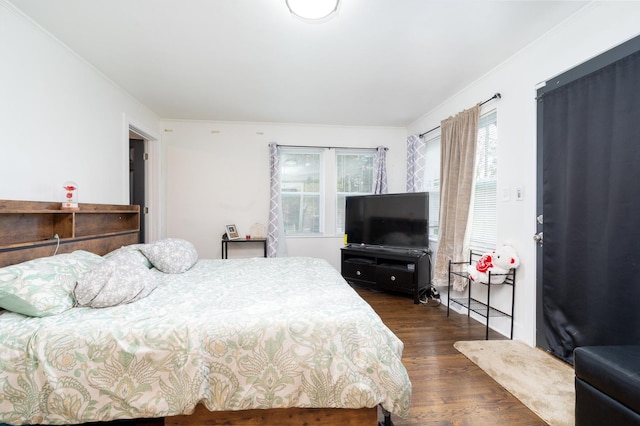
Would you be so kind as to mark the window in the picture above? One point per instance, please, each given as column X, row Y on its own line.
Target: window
column 354, row 176
column 301, row 191
column 484, row 216
column 309, row 206
column 484, row 222
column 432, row 184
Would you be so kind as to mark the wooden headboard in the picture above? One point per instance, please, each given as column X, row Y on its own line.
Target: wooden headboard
column 32, row 229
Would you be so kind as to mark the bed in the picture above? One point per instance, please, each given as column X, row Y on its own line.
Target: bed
column 282, row 339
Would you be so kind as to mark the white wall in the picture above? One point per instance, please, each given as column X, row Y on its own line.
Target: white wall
column 60, row 119
column 218, row 173
column 593, row 30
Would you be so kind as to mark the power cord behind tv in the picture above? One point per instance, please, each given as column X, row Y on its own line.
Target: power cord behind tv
column 429, row 296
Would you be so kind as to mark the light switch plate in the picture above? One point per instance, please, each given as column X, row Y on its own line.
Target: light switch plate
column 519, row 193
column 506, row 194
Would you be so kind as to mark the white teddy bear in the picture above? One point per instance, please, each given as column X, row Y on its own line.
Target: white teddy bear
column 498, row 262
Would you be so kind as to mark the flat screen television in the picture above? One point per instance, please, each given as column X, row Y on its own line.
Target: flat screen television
column 388, row 220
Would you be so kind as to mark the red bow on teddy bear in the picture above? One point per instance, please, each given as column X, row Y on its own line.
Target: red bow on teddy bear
column 484, row 263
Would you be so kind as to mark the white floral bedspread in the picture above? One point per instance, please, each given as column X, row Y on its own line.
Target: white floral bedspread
column 233, row 334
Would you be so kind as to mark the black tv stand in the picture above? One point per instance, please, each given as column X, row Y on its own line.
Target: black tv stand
column 403, row 270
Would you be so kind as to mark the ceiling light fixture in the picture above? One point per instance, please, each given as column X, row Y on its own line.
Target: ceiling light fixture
column 313, row 10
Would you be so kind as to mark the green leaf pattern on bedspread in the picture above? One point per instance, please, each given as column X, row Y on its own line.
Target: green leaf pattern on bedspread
column 216, row 334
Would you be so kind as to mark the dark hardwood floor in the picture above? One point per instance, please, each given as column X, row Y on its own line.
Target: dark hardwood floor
column 448, row 389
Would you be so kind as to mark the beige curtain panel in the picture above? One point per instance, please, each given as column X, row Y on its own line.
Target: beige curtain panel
column 458, row 140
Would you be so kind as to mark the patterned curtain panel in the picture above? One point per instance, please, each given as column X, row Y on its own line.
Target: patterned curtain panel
column 415, row 163
column 458, row 141
column 276, row 242
column 380, row 165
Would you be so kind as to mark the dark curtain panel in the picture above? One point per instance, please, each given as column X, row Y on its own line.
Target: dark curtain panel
column 591, row 205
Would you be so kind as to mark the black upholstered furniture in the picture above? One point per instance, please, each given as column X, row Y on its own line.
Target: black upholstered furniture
column 607, row 385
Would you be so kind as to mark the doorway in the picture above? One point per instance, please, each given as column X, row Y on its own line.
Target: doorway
column 137, row 181
column 588, row 152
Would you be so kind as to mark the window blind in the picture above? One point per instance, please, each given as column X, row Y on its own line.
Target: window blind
column 484, row 208
column 432, row 183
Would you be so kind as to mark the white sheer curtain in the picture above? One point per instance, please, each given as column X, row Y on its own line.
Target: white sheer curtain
column 458, row 141
column 276, row 242
column 415, row 163
column 380, row 170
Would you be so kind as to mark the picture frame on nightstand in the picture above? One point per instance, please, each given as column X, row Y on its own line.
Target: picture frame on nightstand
column 232, row 232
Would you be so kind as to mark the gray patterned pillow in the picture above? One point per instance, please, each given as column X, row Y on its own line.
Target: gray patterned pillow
column 118, row 280
column 134, row 249
column 171, row 255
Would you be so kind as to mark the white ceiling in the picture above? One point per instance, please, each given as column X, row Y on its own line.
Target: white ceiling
column 378, row 62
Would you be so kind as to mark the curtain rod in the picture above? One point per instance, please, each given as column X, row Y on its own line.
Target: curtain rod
column 495, row 96
column 328, row 147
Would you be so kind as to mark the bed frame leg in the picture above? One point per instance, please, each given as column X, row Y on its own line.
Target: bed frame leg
column 387, row 418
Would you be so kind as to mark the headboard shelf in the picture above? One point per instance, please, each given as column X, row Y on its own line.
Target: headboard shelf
column 35, row 225
column 17, row 211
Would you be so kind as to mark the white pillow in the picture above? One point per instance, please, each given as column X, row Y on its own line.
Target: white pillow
column 171, row 255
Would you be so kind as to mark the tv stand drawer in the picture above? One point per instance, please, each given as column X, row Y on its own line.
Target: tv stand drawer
column 394, row 277
column 359, row 271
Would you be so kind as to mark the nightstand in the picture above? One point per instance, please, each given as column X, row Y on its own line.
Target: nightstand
column 225, row 244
